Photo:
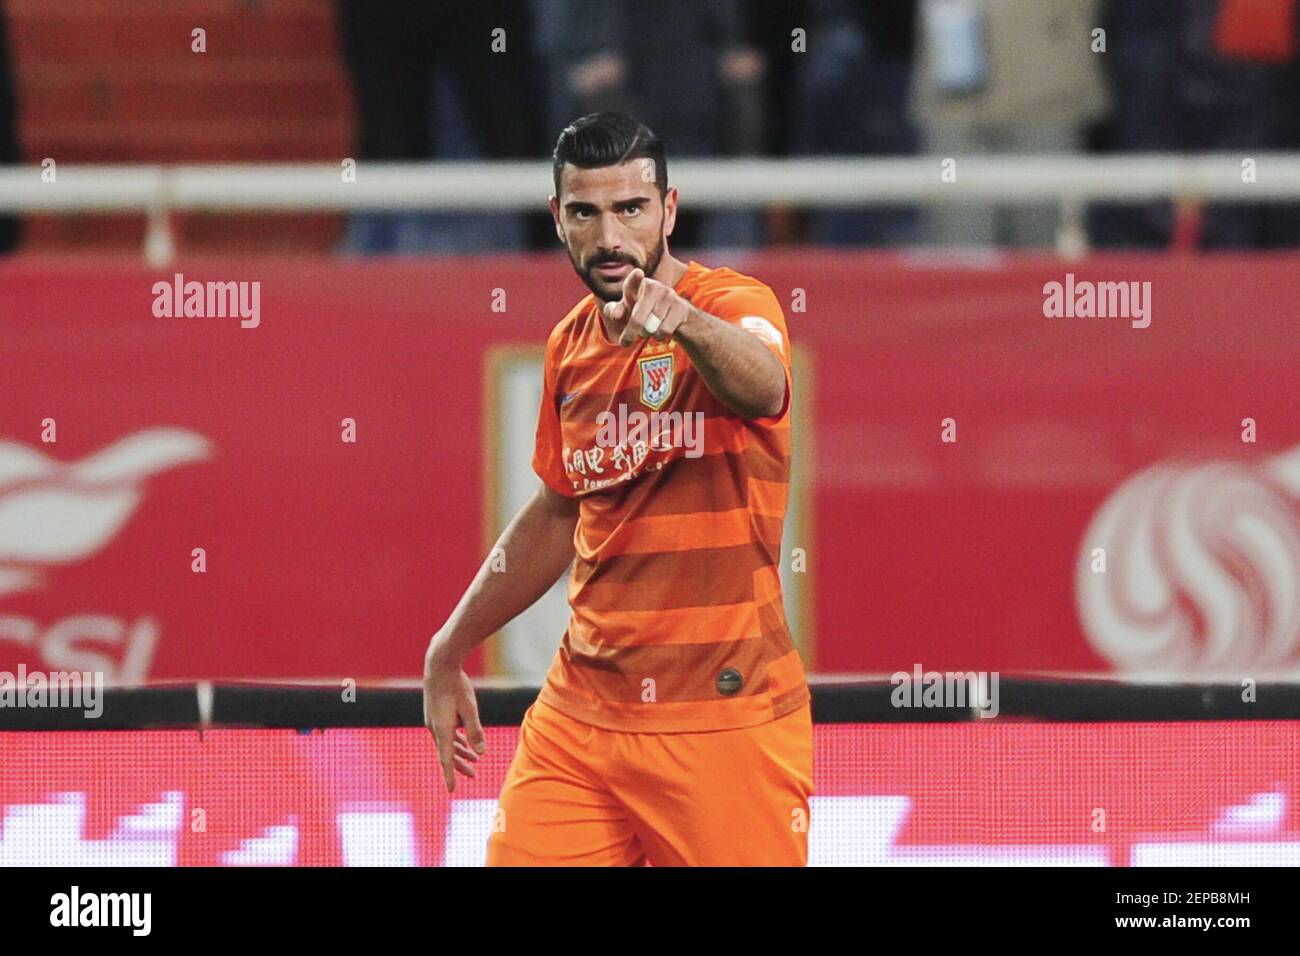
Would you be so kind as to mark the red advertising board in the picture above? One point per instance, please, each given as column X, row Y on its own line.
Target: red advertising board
column 984, row 793
column 968, row 451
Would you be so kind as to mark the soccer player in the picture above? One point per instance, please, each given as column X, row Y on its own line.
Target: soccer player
column 674, row 726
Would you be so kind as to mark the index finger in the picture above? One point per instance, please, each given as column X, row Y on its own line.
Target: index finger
column 632, row 284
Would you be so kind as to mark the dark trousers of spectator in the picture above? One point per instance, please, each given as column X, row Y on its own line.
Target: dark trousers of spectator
column 1176, row 93
column 852, row 58
column 392, row 48
column 9, row 226
column 406, row 58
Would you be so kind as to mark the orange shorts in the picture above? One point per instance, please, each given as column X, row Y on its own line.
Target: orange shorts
column 578, row 795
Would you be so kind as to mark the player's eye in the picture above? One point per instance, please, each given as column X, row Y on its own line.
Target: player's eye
column 631, row 211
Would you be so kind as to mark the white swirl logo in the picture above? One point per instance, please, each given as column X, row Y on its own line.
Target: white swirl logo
column 1202, row 570
column 56, row 513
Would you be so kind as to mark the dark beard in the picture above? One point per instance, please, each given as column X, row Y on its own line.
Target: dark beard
column 656, row 256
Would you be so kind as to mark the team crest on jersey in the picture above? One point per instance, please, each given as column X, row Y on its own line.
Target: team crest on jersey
column 656, row 380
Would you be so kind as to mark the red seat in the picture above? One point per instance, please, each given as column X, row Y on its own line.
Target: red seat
column 103, row 82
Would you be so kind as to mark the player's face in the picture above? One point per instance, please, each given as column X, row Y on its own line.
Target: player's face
column 612, row 220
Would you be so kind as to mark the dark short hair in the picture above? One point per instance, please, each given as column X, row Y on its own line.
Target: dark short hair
column 608, row 139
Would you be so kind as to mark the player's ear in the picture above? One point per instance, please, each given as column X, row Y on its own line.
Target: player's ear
column 554, row 204
column 670, row 210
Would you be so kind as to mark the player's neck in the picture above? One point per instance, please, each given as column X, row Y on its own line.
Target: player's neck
column 669, row 271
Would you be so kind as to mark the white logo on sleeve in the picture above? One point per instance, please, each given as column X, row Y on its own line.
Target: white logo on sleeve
column 764, row 329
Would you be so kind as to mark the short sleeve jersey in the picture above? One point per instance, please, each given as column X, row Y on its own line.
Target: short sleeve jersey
column 676, row 621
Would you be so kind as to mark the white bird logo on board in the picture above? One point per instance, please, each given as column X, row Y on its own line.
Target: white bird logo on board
column 54, row 513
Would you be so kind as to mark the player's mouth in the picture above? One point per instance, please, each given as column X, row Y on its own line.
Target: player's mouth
column 613, row 270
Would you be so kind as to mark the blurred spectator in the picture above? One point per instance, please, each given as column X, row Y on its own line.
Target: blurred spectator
column 9, row 154
column 851, row 95
column 428, row 84
column 1203, row 75
column 1141, row 48
column 680, row 66
column 1004, row 76
column 769, row 25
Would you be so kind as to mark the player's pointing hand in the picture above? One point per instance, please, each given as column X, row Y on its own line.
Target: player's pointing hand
column 649, row 308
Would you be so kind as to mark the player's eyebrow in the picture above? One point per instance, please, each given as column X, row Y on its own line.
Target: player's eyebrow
column 575, row 205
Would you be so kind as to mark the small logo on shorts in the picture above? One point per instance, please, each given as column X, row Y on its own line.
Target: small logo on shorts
column 729, row 681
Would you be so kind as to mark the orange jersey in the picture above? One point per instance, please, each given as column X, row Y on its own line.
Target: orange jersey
column 677, row 622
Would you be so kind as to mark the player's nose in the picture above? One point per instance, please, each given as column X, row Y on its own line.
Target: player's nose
column 610, row 239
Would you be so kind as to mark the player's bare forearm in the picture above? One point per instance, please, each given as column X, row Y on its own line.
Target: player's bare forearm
column 735, row 365
column 531, row 554
column 738, row 369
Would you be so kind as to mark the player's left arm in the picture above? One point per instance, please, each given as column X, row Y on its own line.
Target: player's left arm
column 739, row 369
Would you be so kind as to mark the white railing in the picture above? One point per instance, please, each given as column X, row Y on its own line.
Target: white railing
column 1069, row 181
